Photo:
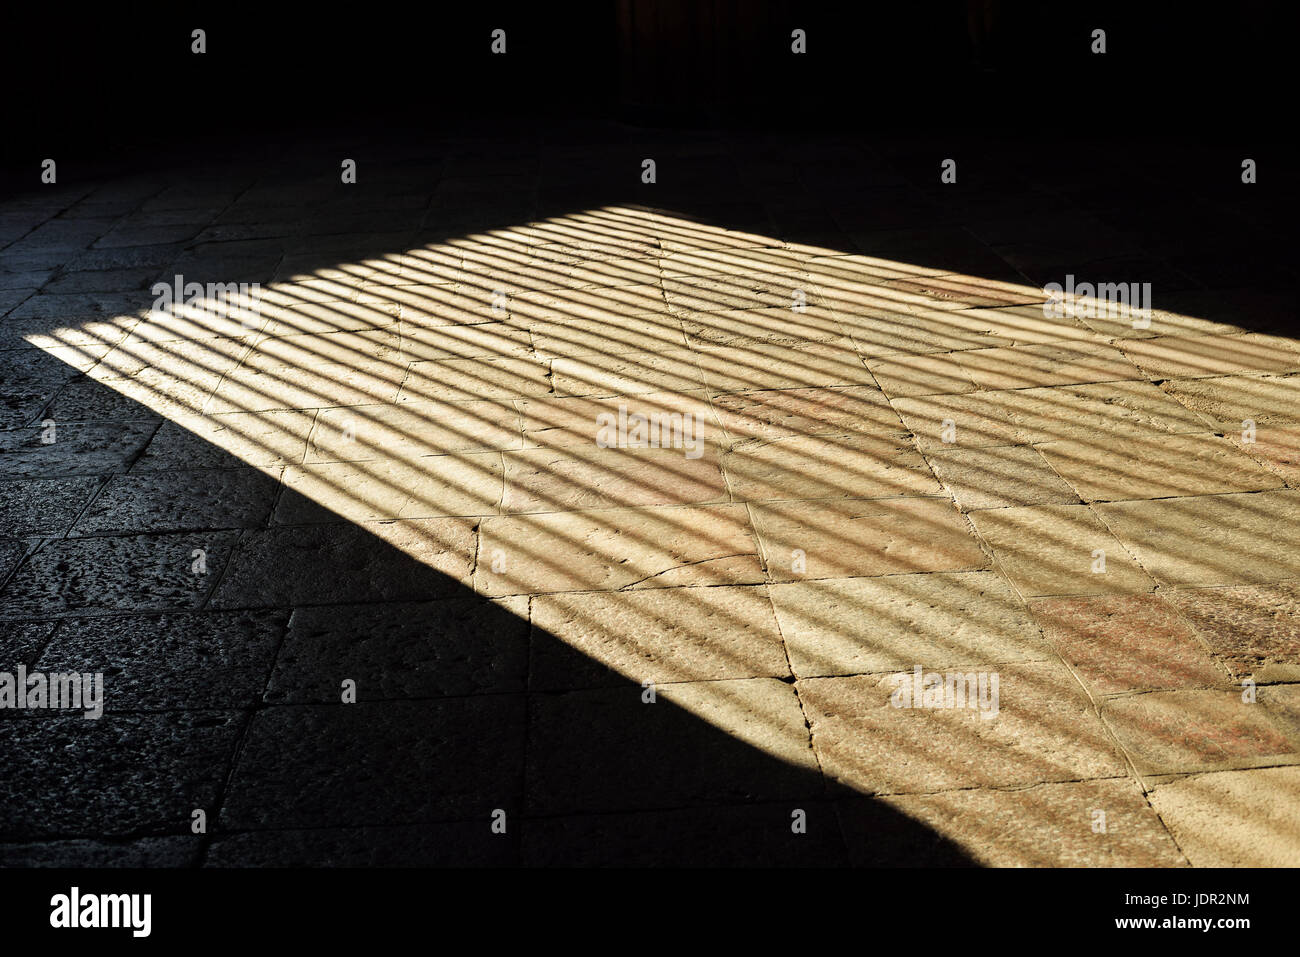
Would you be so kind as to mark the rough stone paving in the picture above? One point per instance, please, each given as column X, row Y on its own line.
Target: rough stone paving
column 386, row 477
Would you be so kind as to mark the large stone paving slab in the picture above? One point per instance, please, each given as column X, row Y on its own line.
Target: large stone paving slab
column 617, row 549
column 182, row 661
column 457, row 646
column 848, row 537
column 588, row 639
column 892, row 623
column 1254, row 629
column 1044, row 729
column 133, row 573
column 1059, row 550
column 1233, row 818
column 1212, row 539
column 119, row 762
column 341, row 562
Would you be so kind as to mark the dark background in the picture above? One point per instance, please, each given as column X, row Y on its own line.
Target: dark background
column 118, row 80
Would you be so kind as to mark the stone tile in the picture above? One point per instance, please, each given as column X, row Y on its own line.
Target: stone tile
column 831, row 466
column 316, row 564
column 178, row 501
column 235, row 440
column 1227, row 401
column 627, row 374
column 1178, row 731
column 1090, row 412
column 595, row 639
column 44, row 508
column 1253, row 629
column 258, row 388
column 1168, row 356
column 1233, row 818
column 372, row 763
column 576, row 421
column 1155, row 466
column 1122, row 643
column 431, row 486
column 742, row 327
column 572, row 338
column 411, row 429
column 454, row 647
column 852, row 626
column 548, row 480
column 1212, row 539
column 770, row 365
column 1049, row 550
column 698, row 743
column 180, row 661
column 617, row 549
column 90, row 448
column 999, row 477
column 832, row 411
column 136, row 573
column 85, row 400
column 21, row 642
column 1044, row 729
column 883, row 328
column 932, row 374
column 1276, row 449
column 120, row 760
column 848, row 538
column 1050, row 825
column 1045, row 364
column 460, row 380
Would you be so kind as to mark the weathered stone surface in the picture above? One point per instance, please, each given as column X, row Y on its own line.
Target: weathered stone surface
column 854, row 626
column 181, row 661
column 412, row 429
column 454, row 647
column 1212, row 539
column 1169, row 356
column 178, row 501
column 999, row 477
column 1233, row 818
column 313, row 564
column 829, row 466
column 1156, row 466
column 1059, row 550
column 1044, row 729
column 842, row 410
column 260, row 439
column 78, row 449
column 1044, row 364
column 659, row 635
column 1175, row 731
column 1120, row 643
column 120, row 760
column 548, row 480
column 136, row 573
column 1253, row 629
column 383, row 762
column 847, row 537
column 616, row 549
column 43, row 507
column 385, row 489
column 1049, row 825
column 750, row 744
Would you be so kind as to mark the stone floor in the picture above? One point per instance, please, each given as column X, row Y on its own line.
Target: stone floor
column 388, row 474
